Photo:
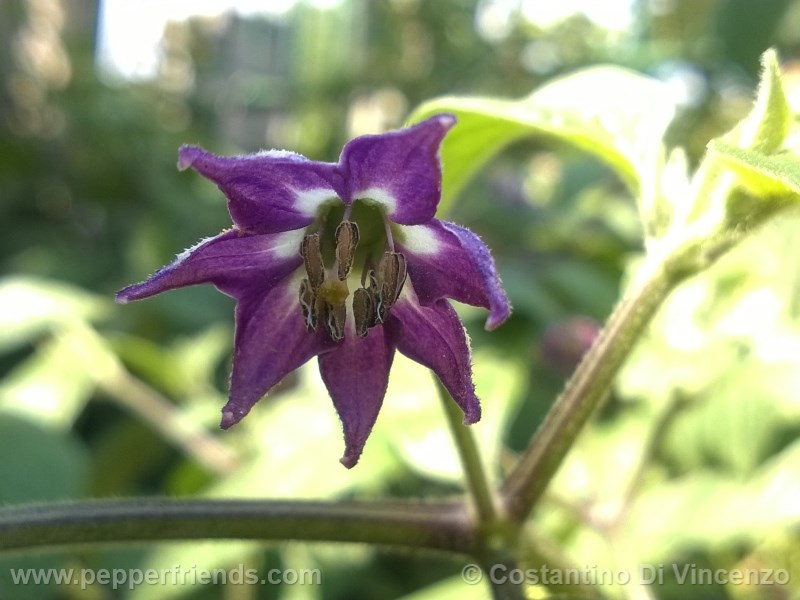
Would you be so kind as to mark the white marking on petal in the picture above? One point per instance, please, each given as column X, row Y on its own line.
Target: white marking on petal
column 380, row 196
column 309, row 201
column 287, row 244
column 420, row 239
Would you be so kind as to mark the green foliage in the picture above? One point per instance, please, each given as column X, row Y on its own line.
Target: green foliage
column 694, row 446
column 768, row 176
column 765, row 129
column 622, row 125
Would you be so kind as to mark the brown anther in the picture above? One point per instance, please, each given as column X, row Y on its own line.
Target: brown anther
column 394, row 275
column 347, row 237
column 312, row 259
column 335, row 315
column 363, row 311
column 389, row 282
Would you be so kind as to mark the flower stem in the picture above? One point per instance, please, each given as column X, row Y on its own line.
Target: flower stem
column 438, row 526
column 477, row 482
column 496, row 541
column 586, row 389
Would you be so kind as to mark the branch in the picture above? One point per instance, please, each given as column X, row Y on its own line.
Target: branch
column 434, row 526
column 585, row 391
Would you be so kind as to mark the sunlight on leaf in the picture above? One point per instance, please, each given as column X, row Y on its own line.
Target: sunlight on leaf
column 622, row 125
column 766, row 175
column 29, row 306
column 704, row 508
column 451, row 589
column 766, row 127
column 414, row 424
column 52, row 386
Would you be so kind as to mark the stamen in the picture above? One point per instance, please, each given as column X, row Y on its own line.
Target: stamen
column 347, row 238
column 324, row 293
column 335, row 315
column 363, row 311
column 389, row 283
column 309, row 305
column 312, row 259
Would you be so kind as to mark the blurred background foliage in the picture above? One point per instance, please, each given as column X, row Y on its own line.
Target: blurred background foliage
column 693, row 460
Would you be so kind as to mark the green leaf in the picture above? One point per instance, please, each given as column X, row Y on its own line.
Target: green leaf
column 29, row 306
column 765, row 175
column 622, row 125
column 184, row 369
column 705, row 509
column 715, row 212
column 452, row 588
column 53, row 385
column 414, row 425
column 736, row 427
column 58, row 462
column 766, row 127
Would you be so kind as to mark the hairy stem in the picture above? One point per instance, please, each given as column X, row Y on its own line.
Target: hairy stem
column 586, row 389
column 477, row 482
column 435, row 526
column 491, row 532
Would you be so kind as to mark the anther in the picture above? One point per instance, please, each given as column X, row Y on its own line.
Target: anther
column 335, row 315
column 312, row 259
column 310, row 305
column 347, row 237
column 389, row 282
column 363, row 311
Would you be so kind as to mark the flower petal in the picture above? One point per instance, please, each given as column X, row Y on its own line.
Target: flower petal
column 269, row 191
column 445, row 260
column 356, row 374
column 270, row 342
column 234, row 262
column 434, row 337
column 400, row 170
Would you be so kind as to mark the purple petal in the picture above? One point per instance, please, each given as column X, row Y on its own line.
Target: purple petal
column 270, row 342
column 234, row 262
column 400, row 169
column 270, row 191
column 356, row 374
column 434, row 337
column 448, row 261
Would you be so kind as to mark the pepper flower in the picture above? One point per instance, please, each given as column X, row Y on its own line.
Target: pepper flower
column 344, row 261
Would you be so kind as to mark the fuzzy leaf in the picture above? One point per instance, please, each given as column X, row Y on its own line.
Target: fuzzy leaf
column 765, row 175
column 766, row 127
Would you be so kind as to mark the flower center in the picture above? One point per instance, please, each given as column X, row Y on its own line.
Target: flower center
column 324, row 292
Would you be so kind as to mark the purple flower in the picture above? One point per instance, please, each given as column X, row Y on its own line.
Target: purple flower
column 344, row 261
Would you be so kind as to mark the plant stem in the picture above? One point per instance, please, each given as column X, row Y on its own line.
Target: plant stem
column 477, row 482
column 437, row 526
column 586, row 389
column 496, row 541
